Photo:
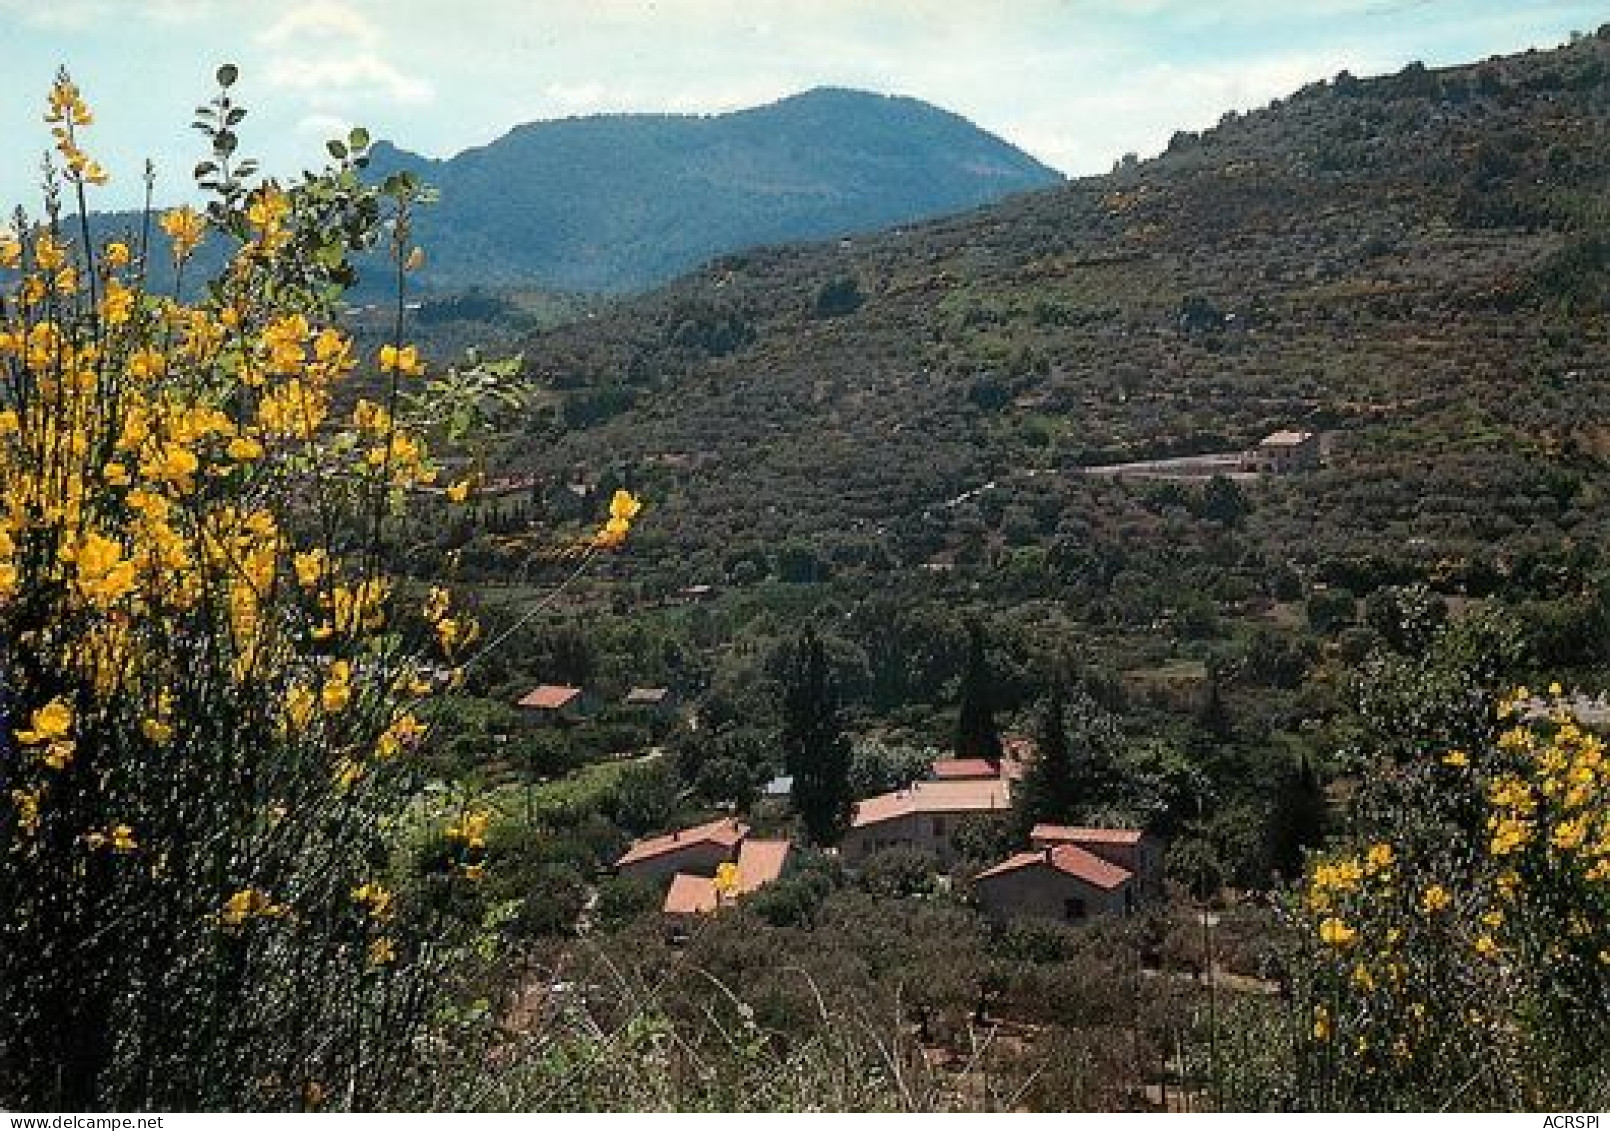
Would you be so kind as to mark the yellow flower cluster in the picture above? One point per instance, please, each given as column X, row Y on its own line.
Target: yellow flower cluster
column 1555, row 798
column 119, row 838
column 469, row 834
column 403, row 360
column 623, row 508
column 159, row 460
column 186, row 228
column 1416, row 934
column 470, row 830
column 48, row 732
column 248, row 904
column 375, row 899
column 68, row 112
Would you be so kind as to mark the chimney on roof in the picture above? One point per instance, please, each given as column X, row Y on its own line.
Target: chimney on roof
column 1048, row 850
column 676, row 834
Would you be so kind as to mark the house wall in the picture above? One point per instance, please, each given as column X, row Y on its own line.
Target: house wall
column 700, row 858
column 1043, row 892
column 1144, row 858
column 1280, row 458
column 927, row 833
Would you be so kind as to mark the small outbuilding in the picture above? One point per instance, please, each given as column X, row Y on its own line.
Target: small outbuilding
column 554, row 701
column 1061, row 883
column 1281, row 453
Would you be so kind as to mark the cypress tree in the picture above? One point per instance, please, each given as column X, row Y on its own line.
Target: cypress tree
column 815, row 749
column 1049, row 788
column 976, row 733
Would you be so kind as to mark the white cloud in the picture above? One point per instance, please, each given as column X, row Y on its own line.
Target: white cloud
column 319, row 22
column 86, row 15
column 330, row 52
column 340, row 77
column 323, row 126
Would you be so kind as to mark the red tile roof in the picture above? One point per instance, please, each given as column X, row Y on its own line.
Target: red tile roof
column 759, row 863
column 956, row 769
column 691, row 895
column 1069, row 859
column 963, row 796
column 549, row 697
column 1078, row 834
column 726, row 833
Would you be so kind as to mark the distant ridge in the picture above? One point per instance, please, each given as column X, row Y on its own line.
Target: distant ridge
column 621, row 202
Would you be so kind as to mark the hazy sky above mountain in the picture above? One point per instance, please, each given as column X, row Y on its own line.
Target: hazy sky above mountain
column 1077, row 83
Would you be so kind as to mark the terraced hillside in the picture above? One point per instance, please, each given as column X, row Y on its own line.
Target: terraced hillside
column 1415, row 264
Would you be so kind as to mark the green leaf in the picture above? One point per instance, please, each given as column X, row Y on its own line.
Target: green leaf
column 337, row 150
column 358, row 138
column 227, row 74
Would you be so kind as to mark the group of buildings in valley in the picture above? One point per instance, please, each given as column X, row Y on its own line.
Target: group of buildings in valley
column 1066, row 874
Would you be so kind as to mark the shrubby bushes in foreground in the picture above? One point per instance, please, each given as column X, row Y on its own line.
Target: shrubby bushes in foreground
column 207, row 687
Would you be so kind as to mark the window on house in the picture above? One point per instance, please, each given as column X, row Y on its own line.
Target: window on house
column 1073, row 909
column 939, row 826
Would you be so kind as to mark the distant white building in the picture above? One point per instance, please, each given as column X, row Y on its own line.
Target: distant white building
column 1283, row 452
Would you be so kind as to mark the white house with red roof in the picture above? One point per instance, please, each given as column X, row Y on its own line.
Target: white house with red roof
column 1138, row 852
column 922, row 817
column 1063, row 883
column 759, row 863
column 1071, row 873
column 692, row 858
column 697, row 851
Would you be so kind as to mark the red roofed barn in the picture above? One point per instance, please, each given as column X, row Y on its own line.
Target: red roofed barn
column 1064, row 883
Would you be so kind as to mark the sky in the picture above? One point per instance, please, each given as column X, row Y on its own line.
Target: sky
column 1076, row 83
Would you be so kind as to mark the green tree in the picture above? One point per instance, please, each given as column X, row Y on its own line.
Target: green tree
column 815, row 749
column 1075, row 775
column 976, row 733
column 1048, row 789
column 1223, row 502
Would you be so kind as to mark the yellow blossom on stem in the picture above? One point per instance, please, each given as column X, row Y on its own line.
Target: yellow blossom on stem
column 49, row 723
column 27, row 805
column 375, row 898
column 186, row 228
column 120, row 838
column 1434, row 899
column 403, row 360
column 1334, row 932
